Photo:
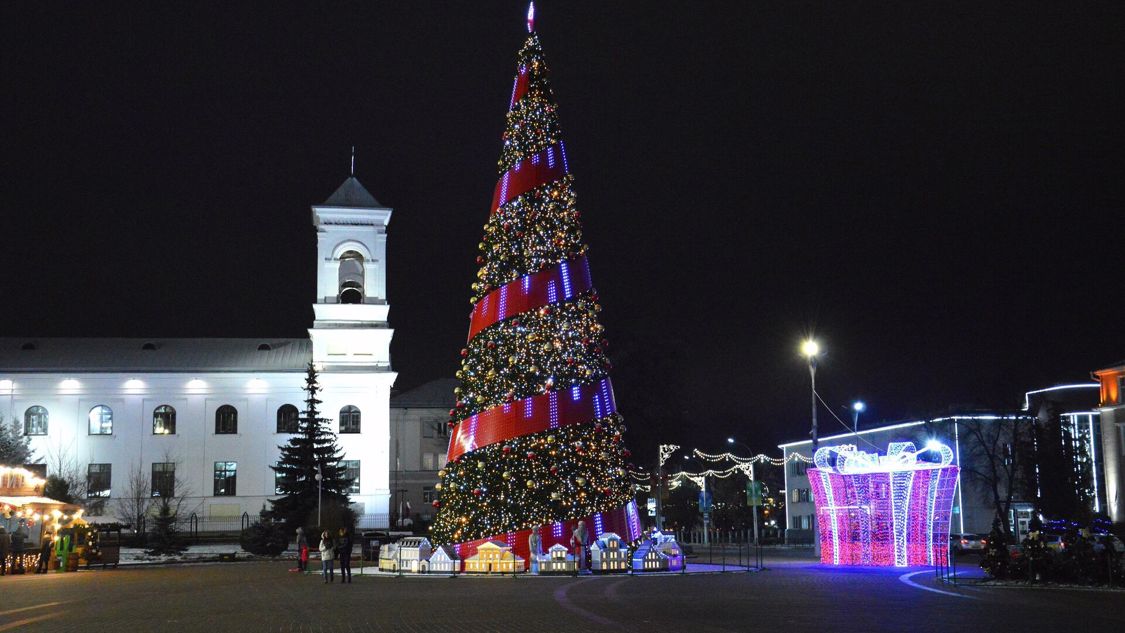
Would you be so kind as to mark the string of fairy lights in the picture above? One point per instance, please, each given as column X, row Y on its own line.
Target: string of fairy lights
column 739, row 465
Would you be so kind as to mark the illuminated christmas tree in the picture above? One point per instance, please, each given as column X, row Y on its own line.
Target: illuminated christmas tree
column 537, row 440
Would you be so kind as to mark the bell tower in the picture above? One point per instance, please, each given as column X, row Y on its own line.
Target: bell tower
column 351, row 329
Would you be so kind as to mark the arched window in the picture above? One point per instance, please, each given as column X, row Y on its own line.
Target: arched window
column 351, row 277
column 35, row 421
column 287, row 418
column 226, row 420
column 101, row 420
column 349, row 419
column 164, row 420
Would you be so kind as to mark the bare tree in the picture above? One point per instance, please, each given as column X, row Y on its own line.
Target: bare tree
column 996, row 452
column 63, row 468
column 137, row 502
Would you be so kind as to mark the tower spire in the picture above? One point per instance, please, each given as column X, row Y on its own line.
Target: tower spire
column 531, row 17
column 353, row 161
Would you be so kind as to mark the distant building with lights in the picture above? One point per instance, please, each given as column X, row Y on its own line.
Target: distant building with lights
column 420, row 440
column 1111, row 382
column 206, row 416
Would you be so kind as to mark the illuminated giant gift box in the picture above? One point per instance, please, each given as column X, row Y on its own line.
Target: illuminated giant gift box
column 891, row 509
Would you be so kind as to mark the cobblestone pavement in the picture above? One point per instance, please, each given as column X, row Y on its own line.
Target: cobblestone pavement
column 788, row 596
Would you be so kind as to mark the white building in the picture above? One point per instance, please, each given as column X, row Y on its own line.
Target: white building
column 210, row 413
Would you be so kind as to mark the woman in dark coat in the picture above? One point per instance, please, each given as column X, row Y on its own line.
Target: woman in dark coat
column 344, row 553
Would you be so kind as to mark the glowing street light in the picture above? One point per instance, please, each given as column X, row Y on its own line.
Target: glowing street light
column 858, row 407
column 810, row 348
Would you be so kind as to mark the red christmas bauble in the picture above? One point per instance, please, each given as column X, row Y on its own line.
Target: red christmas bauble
column 478, row 492
column 506, row 449
column 436, row 503
column 464, row 352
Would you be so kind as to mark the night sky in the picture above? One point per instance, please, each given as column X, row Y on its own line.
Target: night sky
column 935, row 192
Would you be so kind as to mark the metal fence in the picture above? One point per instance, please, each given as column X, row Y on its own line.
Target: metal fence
column 196, row 527
column 730, row 550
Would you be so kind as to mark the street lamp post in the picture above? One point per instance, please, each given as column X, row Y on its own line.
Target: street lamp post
column 319, row 495
column 665, row 451
column 703, row 499
column 811, row 349
column 754, row 508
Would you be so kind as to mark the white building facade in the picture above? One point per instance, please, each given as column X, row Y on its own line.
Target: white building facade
column 208, row 415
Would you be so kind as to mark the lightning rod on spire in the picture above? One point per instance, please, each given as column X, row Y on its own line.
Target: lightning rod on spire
column 530, row 17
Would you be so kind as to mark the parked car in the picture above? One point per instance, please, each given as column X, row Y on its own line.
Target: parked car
column 961, row 543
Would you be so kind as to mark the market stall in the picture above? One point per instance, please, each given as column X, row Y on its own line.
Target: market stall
column 39, row 527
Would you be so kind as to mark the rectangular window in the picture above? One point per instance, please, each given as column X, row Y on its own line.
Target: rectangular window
column 1121, row 438
column 163, row 479
column 351, row 471
column 428, row 494
column 441, row 429
column 427, row 429
column 226, row 479
column 99, row 480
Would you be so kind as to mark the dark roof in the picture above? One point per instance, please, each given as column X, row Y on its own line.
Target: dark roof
column 154, row 354
column 437, row 394
column 352, row 194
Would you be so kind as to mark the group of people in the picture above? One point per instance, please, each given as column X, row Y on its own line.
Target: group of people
column 331, row 548
column 14, row 545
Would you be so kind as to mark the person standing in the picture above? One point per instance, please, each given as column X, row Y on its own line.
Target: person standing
column 44, row 553
column 344, row 553
column 302, row 550
column 19, row 537
column 5, row 549
column 326, row 555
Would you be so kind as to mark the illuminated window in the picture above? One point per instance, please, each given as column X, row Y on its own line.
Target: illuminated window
column 430, row 461
column 351, row 471
column 349, row 419
column 35, row 421
column 351, row 277
column 226, row 479
column 99, row 479
column 428, row 494
column 101, row 420
column 164, row 420
column 226, row 420
column 288, row 419
column 163, row 479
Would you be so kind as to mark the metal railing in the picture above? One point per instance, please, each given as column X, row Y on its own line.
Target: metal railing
column 730, row 550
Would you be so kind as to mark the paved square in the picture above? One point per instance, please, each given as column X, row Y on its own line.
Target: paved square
column 788, row 596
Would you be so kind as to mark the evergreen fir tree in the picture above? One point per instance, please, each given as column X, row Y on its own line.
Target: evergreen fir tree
column 264, row 537
column 165, row 538
column 537, row 442
column 314, row 446
column 15, row 447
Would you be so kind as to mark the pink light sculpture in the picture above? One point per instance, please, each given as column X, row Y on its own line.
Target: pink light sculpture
column 888, row 510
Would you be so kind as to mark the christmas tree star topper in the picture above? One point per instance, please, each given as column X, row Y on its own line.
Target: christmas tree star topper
column 530, row 17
